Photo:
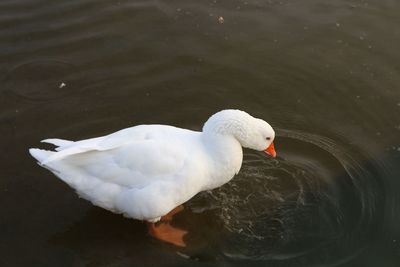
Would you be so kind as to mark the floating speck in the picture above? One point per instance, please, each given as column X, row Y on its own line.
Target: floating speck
column 183, row 255
column 221, row 20
column 179, row 9
column 62, row 85
column 362, row 38
column 337, row 24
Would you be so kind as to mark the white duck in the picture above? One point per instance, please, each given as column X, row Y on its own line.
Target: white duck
column 147, row 171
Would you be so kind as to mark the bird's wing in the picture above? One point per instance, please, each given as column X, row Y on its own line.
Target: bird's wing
column 132, row 157
column 133, row 165
column 153, row 166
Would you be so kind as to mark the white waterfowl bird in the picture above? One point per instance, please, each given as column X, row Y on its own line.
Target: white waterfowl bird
column 146, row 172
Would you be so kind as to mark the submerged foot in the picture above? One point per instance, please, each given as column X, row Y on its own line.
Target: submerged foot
column 164, row 231
column 167, row 233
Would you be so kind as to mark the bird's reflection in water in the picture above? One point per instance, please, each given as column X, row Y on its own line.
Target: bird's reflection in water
column 102, row 238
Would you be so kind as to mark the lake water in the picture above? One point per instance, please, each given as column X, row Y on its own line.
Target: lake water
column 324, row 74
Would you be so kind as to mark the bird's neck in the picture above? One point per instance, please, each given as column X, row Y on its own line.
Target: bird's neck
column 226, row 156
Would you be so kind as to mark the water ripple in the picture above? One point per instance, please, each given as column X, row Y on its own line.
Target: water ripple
column 316, row 198
column 39, row 81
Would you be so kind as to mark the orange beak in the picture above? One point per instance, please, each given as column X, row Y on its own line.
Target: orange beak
column 271, row 150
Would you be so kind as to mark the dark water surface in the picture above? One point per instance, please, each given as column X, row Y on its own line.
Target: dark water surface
column 325, row 74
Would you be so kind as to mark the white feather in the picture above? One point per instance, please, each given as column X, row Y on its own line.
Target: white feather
column 147, row 170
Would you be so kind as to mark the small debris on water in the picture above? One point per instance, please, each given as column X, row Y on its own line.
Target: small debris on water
column 183, row 255
column 221, row 20
column 337, row 24
column 62, row 85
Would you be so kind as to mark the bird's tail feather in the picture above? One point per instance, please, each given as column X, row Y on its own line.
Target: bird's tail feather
column 40, row 154
column 60, row 143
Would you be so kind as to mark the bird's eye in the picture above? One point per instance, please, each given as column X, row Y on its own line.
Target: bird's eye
column 268, row 138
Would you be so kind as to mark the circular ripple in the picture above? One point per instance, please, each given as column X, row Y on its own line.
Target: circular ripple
column 313, row 204
column 39, row 81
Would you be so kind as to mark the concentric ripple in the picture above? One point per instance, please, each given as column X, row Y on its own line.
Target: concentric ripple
column 40, row 81
column 315, row 203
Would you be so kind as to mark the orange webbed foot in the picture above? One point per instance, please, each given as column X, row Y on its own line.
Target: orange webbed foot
column 164, row 231
column 167, row 233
